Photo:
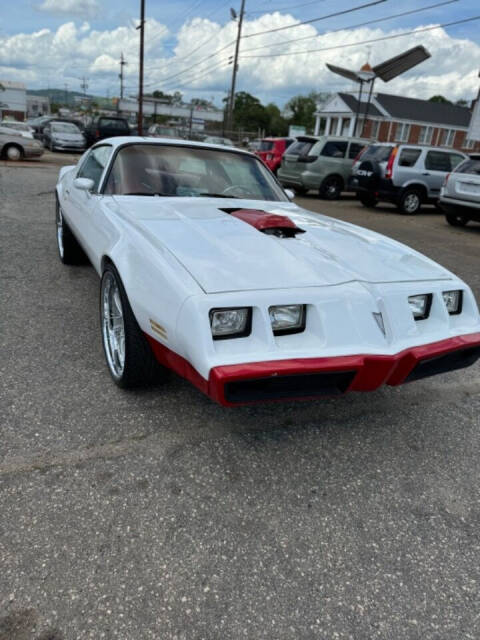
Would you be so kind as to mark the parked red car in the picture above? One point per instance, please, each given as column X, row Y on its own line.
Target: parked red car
column 271, row 151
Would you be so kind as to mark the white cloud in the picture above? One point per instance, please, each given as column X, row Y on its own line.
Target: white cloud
column 54, row 57
column 85, row 8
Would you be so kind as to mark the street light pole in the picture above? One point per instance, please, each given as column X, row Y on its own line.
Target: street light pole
column 231, row 101
column 140, row 80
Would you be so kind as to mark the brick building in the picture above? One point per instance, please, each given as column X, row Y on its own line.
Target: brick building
column 397, row 119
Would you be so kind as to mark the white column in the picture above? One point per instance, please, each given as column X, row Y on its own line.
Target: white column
column 317, row 124
column 327, row 126
column 351, row 128
column 339, row 126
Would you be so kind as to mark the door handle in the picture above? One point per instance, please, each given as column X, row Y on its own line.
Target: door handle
column 426, row 173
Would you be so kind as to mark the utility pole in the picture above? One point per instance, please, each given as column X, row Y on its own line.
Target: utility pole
column 140, row 79
column 123, row 62
column 66, row 89
column 84, row 86
column 231, row 101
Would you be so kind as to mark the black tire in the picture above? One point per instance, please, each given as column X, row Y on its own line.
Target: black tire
column 368, row 200
column 298, row 191
column 331, row 188
column 456, row 220
column 410, row 202
column 69, row 251
column 140, row 368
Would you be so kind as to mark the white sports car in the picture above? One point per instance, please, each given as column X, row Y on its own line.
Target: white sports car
column 208, row 269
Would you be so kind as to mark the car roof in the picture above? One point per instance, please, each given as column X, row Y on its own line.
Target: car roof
column 120, row 141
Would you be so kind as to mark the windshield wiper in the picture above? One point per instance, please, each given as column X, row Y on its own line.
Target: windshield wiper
column 218, row 195
column 142, row 193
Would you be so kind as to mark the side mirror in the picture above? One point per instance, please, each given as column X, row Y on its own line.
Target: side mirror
column 289, row 193
column 84, row 184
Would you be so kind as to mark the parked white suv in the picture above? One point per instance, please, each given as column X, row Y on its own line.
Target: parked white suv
column 460, row 193
column 407, row 175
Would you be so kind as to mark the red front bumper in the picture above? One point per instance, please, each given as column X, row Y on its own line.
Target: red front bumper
column 302, row 378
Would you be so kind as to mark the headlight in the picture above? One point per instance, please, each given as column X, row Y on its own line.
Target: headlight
column 453, row 301
column 230, row 323
column 420, row 305
column 287, row 318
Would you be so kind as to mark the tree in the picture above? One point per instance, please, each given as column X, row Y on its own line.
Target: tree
column 249, row 113
column 440, row 99
column 169, row 98
column 277, row 125
column 302, row 109
column 462, row 103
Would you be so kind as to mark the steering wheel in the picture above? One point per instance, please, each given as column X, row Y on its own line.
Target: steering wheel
column 241, row 190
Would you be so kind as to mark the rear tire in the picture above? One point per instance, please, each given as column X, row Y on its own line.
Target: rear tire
column 331, row 188
column 456, row 220
column 368, row 200
column 410, row 202
column 299, row 191
column 130, row 359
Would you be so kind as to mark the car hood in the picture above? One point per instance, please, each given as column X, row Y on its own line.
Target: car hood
column 224, row 253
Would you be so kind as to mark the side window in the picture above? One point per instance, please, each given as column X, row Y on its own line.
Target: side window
column 437, row 161
column 354, row 150
column 334, row 149
column 408, row 157
column 94, row 164
column 455, row 159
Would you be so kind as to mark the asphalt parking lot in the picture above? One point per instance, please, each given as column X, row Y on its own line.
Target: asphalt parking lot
column 158, row 514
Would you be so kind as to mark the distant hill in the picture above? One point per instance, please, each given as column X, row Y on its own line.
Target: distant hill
column 60, row 96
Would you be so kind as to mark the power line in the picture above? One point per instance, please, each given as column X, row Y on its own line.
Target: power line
column 353, row 26
column 354, row 44
column 331, row 15
column 192, row 66
column 290, row 6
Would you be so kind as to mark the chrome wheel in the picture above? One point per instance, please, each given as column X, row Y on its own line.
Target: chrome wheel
column 113, row 325
column 59, row 224
column 411, row 203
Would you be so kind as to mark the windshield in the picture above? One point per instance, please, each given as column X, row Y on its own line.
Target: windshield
column 113, row 123
column 300, row 147
column 182, row 171
column 64, row 127
column 166, row 131
column 266, row 145
column 471, row 166
column 379, row 153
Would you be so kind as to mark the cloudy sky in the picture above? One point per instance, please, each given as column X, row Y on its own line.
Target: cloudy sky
column 47, row 43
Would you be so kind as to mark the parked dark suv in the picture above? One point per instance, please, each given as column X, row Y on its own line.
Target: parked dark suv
column 106, row 127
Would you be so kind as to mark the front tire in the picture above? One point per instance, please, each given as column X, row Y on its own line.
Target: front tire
column 455, row 220
column 69, row 251
column 410, row 202
column 129, row 357
column 368, row 200
column 331, row 188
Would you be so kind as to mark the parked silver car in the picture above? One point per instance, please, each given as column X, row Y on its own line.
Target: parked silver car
column 63, row 136
column 407, row 175
column 14, row 146
column 460, row 193
column 22, row 127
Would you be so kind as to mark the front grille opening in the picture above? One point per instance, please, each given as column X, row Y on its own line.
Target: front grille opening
column 443, row 364
column 292, row 386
